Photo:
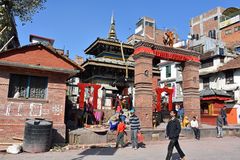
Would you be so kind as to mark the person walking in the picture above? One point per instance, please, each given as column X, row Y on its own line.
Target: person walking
column 180, row 113
column 220, row 126
column 173, row 130
column 224, row 115
column 195, row 128
column 120, row 133
column 135, row 127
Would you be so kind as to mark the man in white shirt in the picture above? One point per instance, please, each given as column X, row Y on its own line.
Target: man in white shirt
column 195, row 127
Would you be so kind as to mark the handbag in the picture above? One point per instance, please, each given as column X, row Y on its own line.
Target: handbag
column 140, row 137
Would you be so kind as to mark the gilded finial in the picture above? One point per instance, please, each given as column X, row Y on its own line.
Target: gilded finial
column 112, row 32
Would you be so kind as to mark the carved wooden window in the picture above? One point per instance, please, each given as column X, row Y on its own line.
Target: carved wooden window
column 207, row 63
column 23, row 86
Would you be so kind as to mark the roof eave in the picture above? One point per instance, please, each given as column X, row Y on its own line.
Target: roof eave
column 43, row 68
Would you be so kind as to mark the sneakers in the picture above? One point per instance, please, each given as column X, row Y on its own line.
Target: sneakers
column 135, row 148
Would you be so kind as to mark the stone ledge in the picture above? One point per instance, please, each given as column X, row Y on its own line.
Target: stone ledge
column 151, row 135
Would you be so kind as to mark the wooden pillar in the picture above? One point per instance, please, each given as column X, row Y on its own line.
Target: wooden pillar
column 143, row 88
column 191, row 96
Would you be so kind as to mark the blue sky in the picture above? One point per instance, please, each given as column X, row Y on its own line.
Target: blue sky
column 75, row 24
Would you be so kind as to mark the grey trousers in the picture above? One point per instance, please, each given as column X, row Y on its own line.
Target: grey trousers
column 134, row 138
column 220, row 131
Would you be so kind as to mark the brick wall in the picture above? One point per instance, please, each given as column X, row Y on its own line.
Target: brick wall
column 233, row 39
column 155, row 85
column 143, row 88
column 159, row 36
column 13, row 112
column 207, row 21
column 191, row 98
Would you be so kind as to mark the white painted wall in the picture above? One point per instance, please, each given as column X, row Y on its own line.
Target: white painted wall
column 218, row 81
column 172, row 80
column 173, row 72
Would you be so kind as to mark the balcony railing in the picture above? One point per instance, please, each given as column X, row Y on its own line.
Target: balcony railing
column 226, row 22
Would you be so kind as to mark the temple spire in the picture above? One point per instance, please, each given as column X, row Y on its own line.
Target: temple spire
column 112, row 32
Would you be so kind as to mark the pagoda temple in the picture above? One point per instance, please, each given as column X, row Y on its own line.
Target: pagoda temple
column 112, row 67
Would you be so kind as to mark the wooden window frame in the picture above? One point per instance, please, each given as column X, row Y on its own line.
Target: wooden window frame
column 229, row 76
column 29, row 87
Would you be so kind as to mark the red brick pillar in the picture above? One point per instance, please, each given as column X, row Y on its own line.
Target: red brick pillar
column 191, row 97
column 143, row 88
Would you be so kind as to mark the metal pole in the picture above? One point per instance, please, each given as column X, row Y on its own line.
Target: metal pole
column 7, row 43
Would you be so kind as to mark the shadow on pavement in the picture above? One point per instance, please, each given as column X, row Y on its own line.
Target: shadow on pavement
column 141, row 145
column 175, row 156
column 107, row 151
column 94, row 151
column 79, row 158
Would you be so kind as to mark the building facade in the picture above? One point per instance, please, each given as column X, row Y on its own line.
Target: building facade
column 147, row 31
column 208, row 37
column 171, row 76
column 33, row 85
column 230, row 28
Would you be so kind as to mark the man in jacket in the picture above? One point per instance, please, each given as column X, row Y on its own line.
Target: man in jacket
column 224, row 115
column 173, row 131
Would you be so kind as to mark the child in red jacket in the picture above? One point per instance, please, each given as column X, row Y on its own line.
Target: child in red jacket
column 120, row 133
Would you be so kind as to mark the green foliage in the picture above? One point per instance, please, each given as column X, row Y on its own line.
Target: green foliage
column 24, row 9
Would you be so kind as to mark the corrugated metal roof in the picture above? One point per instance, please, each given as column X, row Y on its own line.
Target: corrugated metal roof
column 213, row 92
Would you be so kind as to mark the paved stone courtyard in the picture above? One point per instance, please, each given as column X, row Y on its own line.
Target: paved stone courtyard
column 227, row 148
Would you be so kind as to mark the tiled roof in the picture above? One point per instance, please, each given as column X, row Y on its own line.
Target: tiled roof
column 107, row 42
column 213, row 92
column 232, row 64
column 112, row 61
column 51, row 49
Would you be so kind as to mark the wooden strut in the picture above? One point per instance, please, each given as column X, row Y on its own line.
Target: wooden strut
column 126, row 75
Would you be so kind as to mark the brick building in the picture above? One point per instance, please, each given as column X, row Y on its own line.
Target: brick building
column 147, row 31
column 230, row 28
column 204, row 31
column 33, row 85
column 215, row 35
column 206, row 24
